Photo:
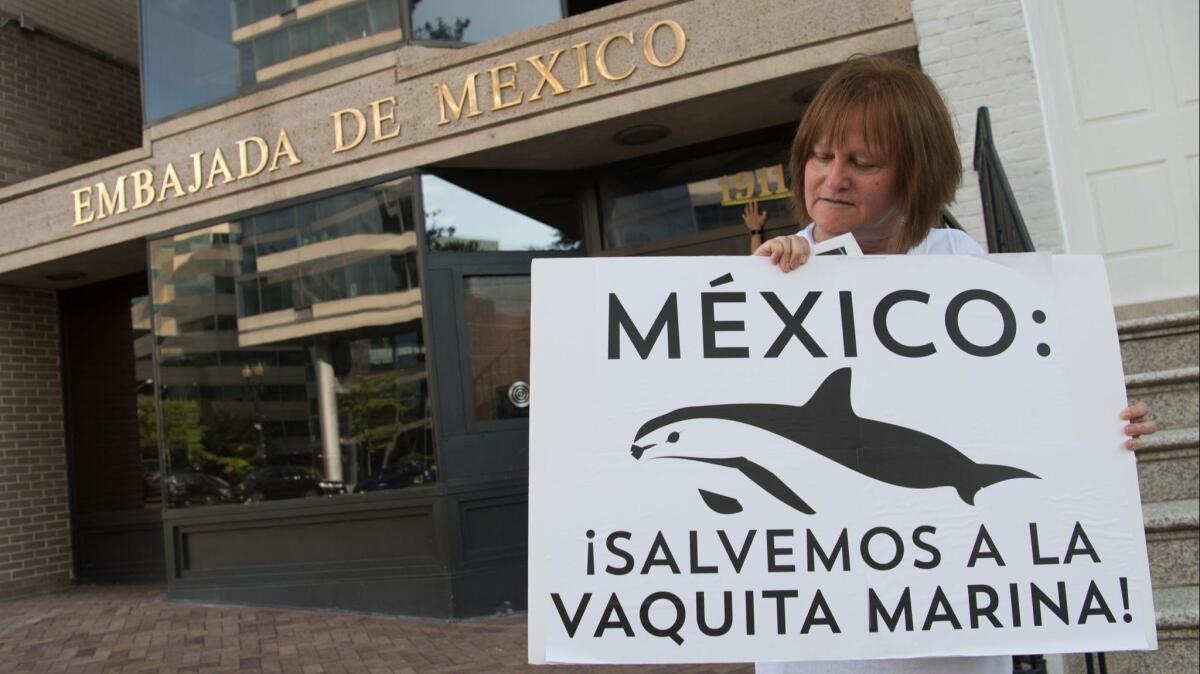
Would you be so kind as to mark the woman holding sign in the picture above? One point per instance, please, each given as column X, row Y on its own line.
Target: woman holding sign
column 876, row 157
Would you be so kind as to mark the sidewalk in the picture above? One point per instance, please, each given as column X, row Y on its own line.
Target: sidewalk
column 131, row 629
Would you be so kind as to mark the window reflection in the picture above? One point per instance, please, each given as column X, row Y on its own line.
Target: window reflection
column 673, row 200
column 249, row 43
column 478, row 20
column 319, row 31
column 461, row 219
column 290, row 352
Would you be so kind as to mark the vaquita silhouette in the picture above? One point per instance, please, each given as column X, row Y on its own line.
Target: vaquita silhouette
column 828, row 426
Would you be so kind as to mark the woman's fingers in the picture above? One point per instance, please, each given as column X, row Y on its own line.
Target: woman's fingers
column 800, row 251
column 1135, row 411
column 1141, row 428
column 786, row 252
column 1138, row 424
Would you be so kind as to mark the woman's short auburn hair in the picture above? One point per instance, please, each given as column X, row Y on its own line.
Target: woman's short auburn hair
column 905, row 119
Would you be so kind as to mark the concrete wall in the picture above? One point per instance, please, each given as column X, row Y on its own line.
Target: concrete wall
column 107, row 26
column 978, row 53
column 35, row 534
column 61, row 105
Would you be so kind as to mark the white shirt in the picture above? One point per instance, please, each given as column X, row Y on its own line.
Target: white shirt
column 937, row 242
column 943, row 241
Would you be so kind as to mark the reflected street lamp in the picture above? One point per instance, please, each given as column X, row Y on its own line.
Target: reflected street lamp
column 253, row 374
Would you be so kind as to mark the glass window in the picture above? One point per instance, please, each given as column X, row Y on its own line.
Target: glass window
column 478, row 20
column 172, row 84
column 292, row 261
column 325, row 334
column 497, row 310
column 458, row 219
column 665, row 201
column 244, row 46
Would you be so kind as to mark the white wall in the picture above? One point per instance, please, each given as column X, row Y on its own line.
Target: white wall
column 978, row 53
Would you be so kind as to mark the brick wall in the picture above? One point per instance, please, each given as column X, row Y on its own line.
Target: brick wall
column 978, row 53
column 61, row 105
column 108, row 26
column 35, row 548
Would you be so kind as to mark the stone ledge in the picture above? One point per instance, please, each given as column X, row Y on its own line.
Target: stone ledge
column 1177, row 607
column 1161, row 377
column 1170, row 439
column 1171, row 515
column 1130, row 328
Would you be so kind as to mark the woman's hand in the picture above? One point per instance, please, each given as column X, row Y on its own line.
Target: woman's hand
column 753, row 217
column 1138, row 424
column 786, row 252
column 755, row 220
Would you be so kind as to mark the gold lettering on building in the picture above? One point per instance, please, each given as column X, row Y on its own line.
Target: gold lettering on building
column 83, row 204
column 676, row 34
column 339, row 129
column 142, row 187
column 171, row 180
column 379, row 117
column 110, row 204
column 244, row 157
column 498, row 87
column 283, row 148
column 546, row 72
column 505, row 80
column 581, row 57
column 469, row 96
column 602, row 57
column 197, row 158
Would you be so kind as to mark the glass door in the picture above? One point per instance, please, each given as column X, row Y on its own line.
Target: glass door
column 482, row 232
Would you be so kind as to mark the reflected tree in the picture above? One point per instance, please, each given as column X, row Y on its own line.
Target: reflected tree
column 183, row 430
column 230, row 441
column 442, row 238
column 439, row 30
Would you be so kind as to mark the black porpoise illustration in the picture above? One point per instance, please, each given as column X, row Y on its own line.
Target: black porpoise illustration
column 828, row 425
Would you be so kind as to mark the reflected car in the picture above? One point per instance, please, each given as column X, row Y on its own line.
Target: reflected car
column 395, row 477
column 271, row 483
column 189, row 488
column 151, row 481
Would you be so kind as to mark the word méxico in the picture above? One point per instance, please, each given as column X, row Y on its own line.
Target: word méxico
column 503, row 78
column 792, row 326
column 143, row 187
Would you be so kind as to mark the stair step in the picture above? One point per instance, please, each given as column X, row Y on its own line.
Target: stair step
column 1169, row 465
column 1169, row 475
column 1173, row 395
column 1170, row 439
column 1173, row 542
column 1152, row 324
column 1177, row 607
column 1159, row 342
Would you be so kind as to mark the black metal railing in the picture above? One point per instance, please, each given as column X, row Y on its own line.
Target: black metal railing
column 1006, row 233
column 1005, row 227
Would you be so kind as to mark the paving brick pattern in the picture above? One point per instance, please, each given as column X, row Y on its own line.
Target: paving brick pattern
column 132, row 629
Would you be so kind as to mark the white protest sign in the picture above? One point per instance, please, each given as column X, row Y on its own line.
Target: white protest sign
column 868, row 457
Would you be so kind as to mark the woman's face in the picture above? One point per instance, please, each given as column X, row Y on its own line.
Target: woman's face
column 851, row 188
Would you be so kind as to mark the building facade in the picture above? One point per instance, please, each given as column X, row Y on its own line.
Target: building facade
column 264, row 326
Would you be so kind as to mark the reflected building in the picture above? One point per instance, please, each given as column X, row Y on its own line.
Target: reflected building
column 293, row 338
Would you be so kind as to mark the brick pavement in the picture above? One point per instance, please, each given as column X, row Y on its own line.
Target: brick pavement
column 132, row 629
